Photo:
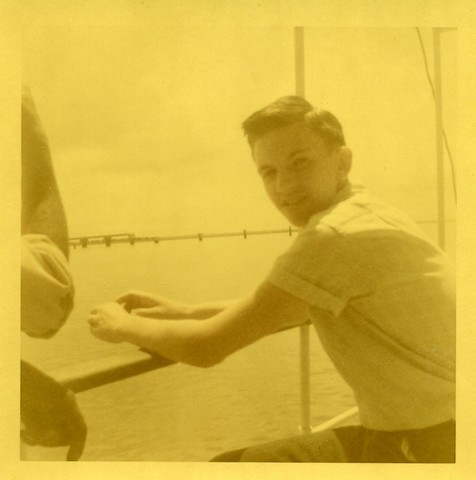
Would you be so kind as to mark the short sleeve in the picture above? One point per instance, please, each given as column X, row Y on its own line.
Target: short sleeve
column 47, row 290
column 319, row 269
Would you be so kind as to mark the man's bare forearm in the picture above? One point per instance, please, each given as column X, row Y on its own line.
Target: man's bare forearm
column 202, row 311
column 180, row 341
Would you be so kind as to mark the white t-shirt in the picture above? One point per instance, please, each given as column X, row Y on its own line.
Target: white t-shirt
column 47, row 290
column 382, row 299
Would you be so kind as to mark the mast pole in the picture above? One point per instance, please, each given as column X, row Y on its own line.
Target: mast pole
column 440, row 180
column 305, row 371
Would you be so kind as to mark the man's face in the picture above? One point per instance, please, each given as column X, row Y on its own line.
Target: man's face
column 300, row 174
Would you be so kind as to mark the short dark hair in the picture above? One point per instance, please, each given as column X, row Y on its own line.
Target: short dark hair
column 289, row 110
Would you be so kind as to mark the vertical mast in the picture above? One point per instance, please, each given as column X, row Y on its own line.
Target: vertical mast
column 299, row 61
column 440, row 181
column 304, row 329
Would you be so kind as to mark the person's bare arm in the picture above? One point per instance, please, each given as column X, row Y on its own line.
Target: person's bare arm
column 199, row 343
column 152, row 305
column 42, row 209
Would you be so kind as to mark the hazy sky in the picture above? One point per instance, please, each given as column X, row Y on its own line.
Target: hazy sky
column 144, row 122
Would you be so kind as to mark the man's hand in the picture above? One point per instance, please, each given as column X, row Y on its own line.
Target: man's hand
column 152, row 306
column 50, row 414
column 107, row 320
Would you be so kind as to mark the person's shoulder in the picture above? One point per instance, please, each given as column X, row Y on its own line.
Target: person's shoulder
column 359, row 214
column 350, row 207
column 319, row 239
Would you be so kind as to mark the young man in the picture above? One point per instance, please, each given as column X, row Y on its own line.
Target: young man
column 380, row 295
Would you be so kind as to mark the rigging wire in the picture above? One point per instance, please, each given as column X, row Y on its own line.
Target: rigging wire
column 132, row 238
column 434, row 98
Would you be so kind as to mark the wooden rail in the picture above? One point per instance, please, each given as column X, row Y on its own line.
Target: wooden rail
column 96, row 373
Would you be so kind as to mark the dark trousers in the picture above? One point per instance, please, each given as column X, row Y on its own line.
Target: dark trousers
column 356, row 444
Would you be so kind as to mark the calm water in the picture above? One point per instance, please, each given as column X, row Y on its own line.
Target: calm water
column 182, row 413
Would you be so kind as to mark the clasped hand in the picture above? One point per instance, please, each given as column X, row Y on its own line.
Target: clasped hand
column 152, row 306
column 108, row 320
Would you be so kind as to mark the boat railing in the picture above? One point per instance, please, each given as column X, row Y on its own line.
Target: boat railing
column 113, row 368
column 92, row 374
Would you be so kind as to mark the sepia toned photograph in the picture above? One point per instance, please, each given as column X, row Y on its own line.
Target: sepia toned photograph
column 238, row 243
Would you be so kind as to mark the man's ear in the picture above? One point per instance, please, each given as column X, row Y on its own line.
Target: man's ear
column 345, row 161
